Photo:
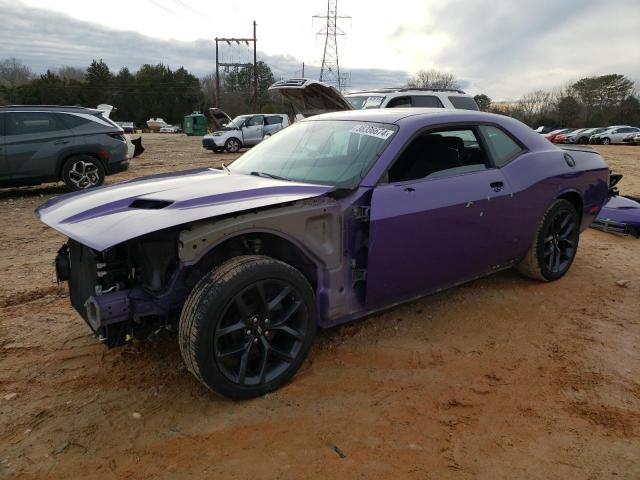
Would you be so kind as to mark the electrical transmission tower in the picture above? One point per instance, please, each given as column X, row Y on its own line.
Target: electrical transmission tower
column 330, row 70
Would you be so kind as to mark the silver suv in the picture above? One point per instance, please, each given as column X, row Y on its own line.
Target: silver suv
column 76, row 145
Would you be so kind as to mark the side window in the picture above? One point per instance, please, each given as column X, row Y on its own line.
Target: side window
column 72, row 121
column 1, row 124
column 440, row 153
column 463, row 103
column 427, row 101
column 273, row 120
column 27, row 123
column 255, row 121
column 399, row 102
column 501, row 146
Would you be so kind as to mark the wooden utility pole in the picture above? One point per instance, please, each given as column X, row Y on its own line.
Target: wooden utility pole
column 255, row 69
column 217, row 78
column 236, row 65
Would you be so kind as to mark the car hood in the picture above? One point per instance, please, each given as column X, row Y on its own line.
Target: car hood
column 218, row 117
column 106, row 216
column 311, row 97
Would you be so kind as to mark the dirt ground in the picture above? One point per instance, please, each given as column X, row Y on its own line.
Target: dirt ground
column 501, row 378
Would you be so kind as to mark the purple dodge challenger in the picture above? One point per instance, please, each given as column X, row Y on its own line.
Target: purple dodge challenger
column 333, row 218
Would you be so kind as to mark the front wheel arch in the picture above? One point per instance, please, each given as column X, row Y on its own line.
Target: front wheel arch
column 262, row 243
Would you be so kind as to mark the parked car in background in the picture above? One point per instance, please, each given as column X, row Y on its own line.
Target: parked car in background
column 543, row 130
column 551, row 136
column 244, row 131
column 334, row 218
column 311, row 97
column 170, row 129
column 127, row 127
column 632, row 138
column 613, row 135
column 76, row 145
column 570, row 136
column 582, row 135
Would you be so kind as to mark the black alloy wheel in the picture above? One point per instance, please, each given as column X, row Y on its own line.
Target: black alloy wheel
column 560, row 242
column 260, row 333
column 248, row 326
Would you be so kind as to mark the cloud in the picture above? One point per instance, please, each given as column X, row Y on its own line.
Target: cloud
column 45, row 39
column 505, row 48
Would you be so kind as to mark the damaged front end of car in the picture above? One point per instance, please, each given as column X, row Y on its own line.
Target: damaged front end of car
column 130, row 290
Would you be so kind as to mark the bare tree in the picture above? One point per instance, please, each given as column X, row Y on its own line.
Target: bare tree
column 433, row 79
column 67, row 72
column 14, row 73
column 535, row 105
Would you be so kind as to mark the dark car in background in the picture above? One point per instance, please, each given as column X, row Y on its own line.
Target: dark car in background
column 76, row 145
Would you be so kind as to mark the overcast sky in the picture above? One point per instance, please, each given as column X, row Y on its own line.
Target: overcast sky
column 499, row 47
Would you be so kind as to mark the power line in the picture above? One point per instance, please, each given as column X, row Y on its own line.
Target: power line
column 165, row 8
column 193, row 10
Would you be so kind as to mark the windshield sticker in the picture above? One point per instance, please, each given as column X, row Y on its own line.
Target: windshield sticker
column 372, row 131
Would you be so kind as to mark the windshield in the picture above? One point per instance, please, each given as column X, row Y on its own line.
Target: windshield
column 238, row 122
column 363, row 102
column 337, row 153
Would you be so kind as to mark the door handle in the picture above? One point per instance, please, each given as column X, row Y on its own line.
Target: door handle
column 409, row 189
column 60, row 142
column 496, row 186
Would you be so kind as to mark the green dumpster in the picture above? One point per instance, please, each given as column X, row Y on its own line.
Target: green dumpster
column 196, row 124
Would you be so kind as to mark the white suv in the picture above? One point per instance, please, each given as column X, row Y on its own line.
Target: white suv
column 411, row 97
column 311, row 97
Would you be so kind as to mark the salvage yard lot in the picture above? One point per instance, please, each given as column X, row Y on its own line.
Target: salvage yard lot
column 500, row 378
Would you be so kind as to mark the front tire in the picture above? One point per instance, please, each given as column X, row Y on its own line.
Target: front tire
column 606, row 141
column 554, row 245
column 232, row 145
column 82, row 171
column 247, row 326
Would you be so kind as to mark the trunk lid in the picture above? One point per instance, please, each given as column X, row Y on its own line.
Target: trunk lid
column 311, row 97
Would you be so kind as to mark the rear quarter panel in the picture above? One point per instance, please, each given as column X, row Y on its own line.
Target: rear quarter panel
column 538, row 178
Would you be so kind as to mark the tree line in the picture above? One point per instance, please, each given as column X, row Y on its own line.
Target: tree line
column 589, row 102
column 151, row 91
column 158, row 91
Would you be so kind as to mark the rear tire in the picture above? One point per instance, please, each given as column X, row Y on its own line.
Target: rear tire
column 247, row 326
column 82, row 171
column 554, row 245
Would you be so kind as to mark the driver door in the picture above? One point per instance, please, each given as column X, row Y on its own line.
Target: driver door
column 252, row 131
column 439, row 224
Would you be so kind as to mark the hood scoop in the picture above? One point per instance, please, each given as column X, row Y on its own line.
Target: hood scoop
column 149, row 204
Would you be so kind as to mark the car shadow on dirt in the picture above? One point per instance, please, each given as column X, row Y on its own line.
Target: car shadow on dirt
column 40, row 190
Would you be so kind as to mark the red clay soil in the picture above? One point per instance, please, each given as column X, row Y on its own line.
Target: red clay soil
column 501, row 378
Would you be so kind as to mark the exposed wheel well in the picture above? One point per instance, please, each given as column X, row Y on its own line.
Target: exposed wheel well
column 576, row 200
column 258, row 244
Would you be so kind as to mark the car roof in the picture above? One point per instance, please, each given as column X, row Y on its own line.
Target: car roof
column 52, row 108
column 418, row 118
column 393, row 115
column 406, row 89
